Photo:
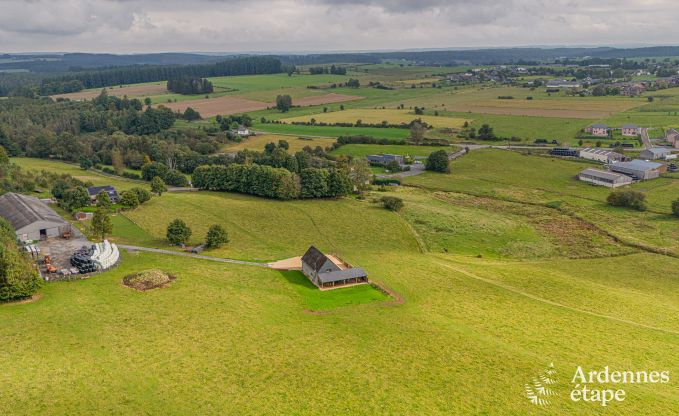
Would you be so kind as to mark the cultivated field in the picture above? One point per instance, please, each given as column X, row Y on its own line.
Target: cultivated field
column 210, row 107
column 377, row 116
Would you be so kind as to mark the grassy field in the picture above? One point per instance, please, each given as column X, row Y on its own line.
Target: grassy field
column 296, row 143
column 376, row 149
column 377, row 116
column 464, row 336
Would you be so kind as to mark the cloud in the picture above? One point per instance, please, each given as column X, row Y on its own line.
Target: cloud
column 324, row 25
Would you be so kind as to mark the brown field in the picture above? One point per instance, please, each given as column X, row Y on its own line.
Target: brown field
column 536, row 112
column 130, row 91
column 325, row 99
column 221, row 105
column 231, row 105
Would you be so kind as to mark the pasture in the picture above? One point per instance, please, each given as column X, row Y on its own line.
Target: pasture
column 377, row 116
column 296, row 143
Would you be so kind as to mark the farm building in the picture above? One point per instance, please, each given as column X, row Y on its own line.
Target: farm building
column 672, row 137
column 564, row 151
column 604, row 178
column 562, row 83
column 655, row 153
column 599, row 130
column 243, row 131
column 639, row 169
column 601, row 155
column 93, row 191
column 631, row 130
column 31, row 218
column 384, row 159
column 328, row 272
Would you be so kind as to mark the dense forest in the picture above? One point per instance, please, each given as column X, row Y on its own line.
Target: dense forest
column 190, row 85
column 140, row 73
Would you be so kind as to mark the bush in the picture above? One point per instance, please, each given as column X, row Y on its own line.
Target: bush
column 129, row 199
column 216, row 236
column 18, row 277
column 178, row 232
column 438, row 162
column 627, row 198
column 391, row 203
column 142, row 194
column 675, row 208
column 175, row 178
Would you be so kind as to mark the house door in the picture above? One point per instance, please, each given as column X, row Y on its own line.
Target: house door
column 43, row 234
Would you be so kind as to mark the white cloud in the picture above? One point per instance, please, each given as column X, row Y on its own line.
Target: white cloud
column 297, row 25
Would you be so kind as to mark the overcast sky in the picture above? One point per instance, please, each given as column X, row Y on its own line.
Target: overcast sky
column 122, row 26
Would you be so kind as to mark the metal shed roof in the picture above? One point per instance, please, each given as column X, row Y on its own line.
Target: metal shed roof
column 342, row 275
column 638, row 164
column 22, row 210
column 602, row 174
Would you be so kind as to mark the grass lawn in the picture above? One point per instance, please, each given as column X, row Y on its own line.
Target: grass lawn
column 296, row 143
column 470, row 333
column 373, row 149
column 96, row 178
column 332, row 131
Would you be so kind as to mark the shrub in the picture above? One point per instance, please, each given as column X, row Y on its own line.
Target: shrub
column 391, row 203
column 158, row 185
column 178, row 232
column 129, row 199
column 627, row 198
column 675, row 208
column 142, row 194
column 216, row 236
column 18, row 277
column 438, row 162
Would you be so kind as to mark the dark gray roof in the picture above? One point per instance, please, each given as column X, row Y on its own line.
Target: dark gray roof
column 637, row 164
column 603, row 126
column 342, row 275
column 630, row 126
column 94, row 190
column 659, row 150
column 22, row 210
column 314, row 258
column 602, row 174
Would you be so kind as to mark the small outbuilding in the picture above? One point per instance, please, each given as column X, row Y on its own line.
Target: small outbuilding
column 329, row 272
column 601, row 155
column 31, row 218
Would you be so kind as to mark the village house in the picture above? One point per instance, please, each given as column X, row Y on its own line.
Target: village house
column 93, row 191
column 327, row 272
column 639, row 169
column 672, row 137
column 243, row 131
column 604, row 178
column 599, row 130
column 631, row 130
column 31, row 218
column 562, row 83
column 385, row 159
column 601, row 155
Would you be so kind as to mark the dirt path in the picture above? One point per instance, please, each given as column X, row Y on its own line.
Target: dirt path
column 195, row 256
column 550, row 302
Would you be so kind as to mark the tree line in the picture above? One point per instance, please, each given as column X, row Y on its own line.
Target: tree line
column 142, row 73
column 190, row 85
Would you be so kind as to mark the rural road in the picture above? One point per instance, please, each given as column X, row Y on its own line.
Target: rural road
column 195, row 256
column 646, row 139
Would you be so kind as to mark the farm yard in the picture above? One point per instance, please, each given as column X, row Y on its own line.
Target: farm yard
column 482, row 277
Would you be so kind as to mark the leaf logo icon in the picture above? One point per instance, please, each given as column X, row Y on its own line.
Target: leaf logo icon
column 538, row 391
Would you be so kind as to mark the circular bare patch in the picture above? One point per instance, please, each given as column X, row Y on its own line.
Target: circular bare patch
column 148, row 279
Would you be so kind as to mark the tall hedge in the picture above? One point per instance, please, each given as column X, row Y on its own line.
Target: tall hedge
column 251, row 179
column 18, row 277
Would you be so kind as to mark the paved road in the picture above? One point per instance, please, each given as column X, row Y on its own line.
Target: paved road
column 195, row 256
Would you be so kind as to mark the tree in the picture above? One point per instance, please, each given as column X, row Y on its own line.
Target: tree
column 142, row 194
column 117, row 161
column 147, row 101
column 627, row 198
column 283, row 103
column 438, row 162
column 75, row 198
column 190, row 114
column 216, row 236
column 103, row 200
column 129, row 199
column 101, row 223
column 417, row 131
column 486, row 133
column 178, row 232
column 392, row 203
column 675, row 208
column 360, row 174
column 353, row 83
column 85, row 163
column 158, row 185
column 152, row 169
column 18, row 276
